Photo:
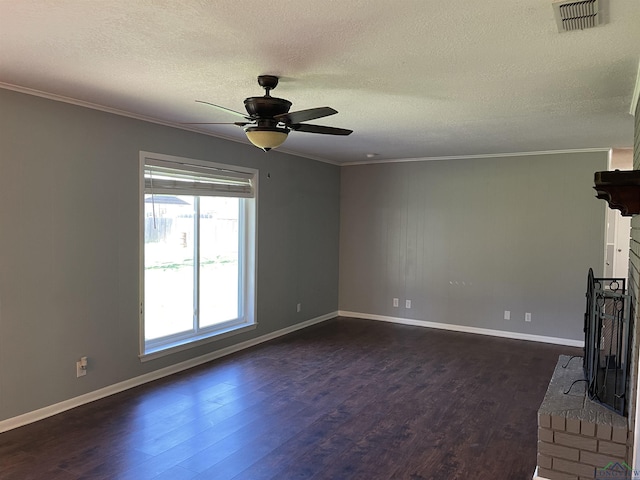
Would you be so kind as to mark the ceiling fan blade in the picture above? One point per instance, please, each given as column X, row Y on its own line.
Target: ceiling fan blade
column 240, row 124
column 304, row 115
column 304, row 127
column 228, row 110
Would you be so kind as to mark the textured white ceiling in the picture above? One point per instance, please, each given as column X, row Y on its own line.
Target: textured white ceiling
column 413, row 79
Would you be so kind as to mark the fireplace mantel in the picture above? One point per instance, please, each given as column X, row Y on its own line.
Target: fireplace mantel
column 621, row 190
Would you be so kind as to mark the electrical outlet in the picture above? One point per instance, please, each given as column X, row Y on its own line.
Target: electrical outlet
column 527, row 317
column 298, row 307
column 507, row 315
column 407, row 304
column 395, row 302
column 81, row 367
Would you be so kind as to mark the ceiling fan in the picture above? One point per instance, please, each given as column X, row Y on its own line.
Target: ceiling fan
column 268, row 120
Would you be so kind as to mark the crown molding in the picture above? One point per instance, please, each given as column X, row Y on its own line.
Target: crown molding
column 484, row 155
column 636, row 94
column 157, row 121
column 144, row 118
column 114, row 111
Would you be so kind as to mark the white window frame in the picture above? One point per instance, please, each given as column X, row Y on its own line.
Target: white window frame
column 247, row 268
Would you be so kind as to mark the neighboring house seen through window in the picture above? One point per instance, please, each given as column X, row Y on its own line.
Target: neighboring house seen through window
column 198, row 252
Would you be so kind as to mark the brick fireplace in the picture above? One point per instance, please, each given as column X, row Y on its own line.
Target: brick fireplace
column 578, row 438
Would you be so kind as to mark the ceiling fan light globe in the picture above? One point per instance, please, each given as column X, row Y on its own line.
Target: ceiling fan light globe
column 266, row 138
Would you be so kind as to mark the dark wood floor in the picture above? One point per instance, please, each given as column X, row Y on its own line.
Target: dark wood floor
column 345, row 399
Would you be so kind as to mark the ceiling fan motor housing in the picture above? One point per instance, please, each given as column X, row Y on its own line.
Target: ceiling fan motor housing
column 270, row 120
column 266, row 107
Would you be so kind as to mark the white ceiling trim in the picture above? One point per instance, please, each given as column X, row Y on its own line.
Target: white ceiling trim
column 124, row 113
column 487, row 155
column 144, row 118
column 102, row 108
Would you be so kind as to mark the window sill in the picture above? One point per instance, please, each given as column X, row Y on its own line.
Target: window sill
column 193, row 342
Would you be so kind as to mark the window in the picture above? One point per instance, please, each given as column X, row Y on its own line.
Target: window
column 198, row 252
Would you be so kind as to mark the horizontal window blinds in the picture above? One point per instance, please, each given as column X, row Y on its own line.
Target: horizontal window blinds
column 163, row 177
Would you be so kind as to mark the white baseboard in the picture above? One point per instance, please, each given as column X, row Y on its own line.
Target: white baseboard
column 51, row 410
column 465, row 329
column 536, row 477
column 34, row 416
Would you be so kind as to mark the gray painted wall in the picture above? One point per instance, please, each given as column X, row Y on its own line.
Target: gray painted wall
column 465, row 240
column 69, row 244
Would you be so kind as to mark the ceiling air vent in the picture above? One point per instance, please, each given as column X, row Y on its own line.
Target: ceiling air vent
column 572, row 15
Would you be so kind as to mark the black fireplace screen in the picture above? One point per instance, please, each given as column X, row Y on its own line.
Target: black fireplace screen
column 607, row 337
